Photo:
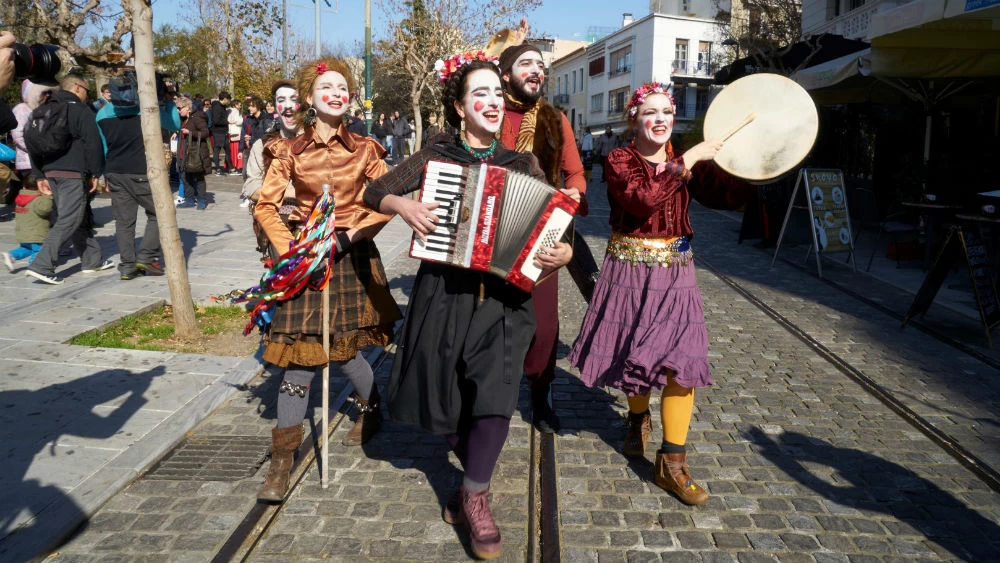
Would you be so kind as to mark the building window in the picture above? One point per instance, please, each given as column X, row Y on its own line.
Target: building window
column 597, row 66
column 581, row 79
column 685, row 6
column 704, row 56
column 681, row 55
column 680, row 100
column 621, row 61
column 701, row 100
column 597, row 102
column 558, row 85
column 616, row 101
column 753, row 23
column 574, row 82
column 565, row 84
column 855, row 4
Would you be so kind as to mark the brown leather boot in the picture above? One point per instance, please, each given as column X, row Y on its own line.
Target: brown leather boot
column 284, row 442
column 369, row 420
column 672, row 474
column 639, row 428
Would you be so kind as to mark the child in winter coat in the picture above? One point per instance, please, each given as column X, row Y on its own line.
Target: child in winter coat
column 32, row 210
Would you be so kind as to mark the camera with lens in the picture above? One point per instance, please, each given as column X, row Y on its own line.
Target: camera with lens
column 38, row 63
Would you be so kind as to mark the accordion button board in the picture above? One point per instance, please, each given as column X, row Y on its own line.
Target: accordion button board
column 491, row 219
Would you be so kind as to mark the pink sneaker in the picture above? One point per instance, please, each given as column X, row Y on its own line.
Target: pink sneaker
column 483, row 531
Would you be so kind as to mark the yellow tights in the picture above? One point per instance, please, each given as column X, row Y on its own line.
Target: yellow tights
column 676, row 405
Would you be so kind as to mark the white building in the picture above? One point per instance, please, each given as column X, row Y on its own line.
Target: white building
column 850, row 18
column 674, row 43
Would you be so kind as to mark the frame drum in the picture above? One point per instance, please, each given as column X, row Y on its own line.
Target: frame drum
column 780, row 135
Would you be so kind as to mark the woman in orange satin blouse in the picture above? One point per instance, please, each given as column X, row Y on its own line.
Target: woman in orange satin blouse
column 363, row 311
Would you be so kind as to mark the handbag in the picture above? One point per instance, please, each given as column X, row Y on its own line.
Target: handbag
column 192, row 158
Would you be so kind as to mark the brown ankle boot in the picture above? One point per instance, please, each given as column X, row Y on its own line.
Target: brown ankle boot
column 639, row 428
column 369, row 420
column 284, row 442
column 672, row 474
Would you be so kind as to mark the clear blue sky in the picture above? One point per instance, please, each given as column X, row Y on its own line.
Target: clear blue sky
column 563, row 19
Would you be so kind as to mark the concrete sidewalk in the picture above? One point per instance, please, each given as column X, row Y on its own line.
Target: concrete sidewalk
column 78, row 424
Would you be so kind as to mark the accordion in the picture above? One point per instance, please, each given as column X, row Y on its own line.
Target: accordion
column 491, row 219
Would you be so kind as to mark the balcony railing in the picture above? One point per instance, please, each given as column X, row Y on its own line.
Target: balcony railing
column 560, row 99
column 693, row 68
column 621, row 70
column 855, row 24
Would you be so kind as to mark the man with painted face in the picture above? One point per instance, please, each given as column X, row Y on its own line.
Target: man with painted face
column 286, row 102
column 530, row 124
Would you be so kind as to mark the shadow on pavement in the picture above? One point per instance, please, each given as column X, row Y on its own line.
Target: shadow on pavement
column 870, row 483
column 34, row 420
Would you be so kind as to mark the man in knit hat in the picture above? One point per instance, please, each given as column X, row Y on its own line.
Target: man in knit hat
column 530, row 124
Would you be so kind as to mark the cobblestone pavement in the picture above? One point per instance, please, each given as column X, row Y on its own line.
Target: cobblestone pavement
column 803, row 465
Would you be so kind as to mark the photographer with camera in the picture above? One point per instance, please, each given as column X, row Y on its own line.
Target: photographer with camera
column 7, row 121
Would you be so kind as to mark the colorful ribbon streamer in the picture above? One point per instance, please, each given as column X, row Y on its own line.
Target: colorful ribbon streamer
column 293, row 271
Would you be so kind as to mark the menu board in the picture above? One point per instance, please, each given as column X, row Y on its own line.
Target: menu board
column 828, row 209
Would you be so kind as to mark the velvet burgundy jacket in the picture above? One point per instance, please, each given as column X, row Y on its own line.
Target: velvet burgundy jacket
column 646, row 204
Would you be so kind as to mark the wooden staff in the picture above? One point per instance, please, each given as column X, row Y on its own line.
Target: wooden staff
column 325, row 444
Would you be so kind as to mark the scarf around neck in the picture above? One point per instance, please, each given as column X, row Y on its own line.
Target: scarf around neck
column 526, row 134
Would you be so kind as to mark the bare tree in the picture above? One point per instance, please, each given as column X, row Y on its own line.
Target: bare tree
column 765, row 30
column 141, row 18
column 433, row 29
column 60, row 22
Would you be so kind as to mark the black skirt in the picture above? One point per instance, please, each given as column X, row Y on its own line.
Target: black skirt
column 462, row 350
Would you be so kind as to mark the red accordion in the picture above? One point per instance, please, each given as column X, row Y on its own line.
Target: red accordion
column 491, row 219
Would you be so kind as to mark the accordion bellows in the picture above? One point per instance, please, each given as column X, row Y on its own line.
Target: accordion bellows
column 491, row 219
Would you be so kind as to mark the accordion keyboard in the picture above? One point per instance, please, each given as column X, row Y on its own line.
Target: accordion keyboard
column 443, row 185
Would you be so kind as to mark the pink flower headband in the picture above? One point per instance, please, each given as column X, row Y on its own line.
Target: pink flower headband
column 639, row 96
column 321, row 68
column 445, row 68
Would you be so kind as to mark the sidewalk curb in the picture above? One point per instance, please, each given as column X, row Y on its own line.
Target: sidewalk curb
column 62, row 518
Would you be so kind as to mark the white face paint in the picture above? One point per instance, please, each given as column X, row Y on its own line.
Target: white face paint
column 655, row 119
column 528, row 74
column 286, row 100
column 482, row 107
column 330, row 94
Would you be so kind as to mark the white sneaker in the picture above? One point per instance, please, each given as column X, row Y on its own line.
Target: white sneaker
column 51, row 280
column 8, row 261
column 107, row 264
column 178, row 200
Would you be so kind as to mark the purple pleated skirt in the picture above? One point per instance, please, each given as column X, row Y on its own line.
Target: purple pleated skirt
column 643, row 322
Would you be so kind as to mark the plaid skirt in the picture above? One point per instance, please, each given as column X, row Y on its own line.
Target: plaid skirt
column 362, row 314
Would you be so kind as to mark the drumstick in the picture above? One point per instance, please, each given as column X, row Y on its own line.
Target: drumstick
column 746, row 121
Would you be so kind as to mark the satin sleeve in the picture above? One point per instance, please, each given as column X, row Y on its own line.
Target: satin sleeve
column 634, row 189
column 272, row 192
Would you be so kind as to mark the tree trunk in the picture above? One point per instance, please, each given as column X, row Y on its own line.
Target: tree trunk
column 173, row 253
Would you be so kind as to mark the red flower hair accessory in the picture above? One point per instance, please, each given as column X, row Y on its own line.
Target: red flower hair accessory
column 639, row 96
column 446, row 67
column 321, row 68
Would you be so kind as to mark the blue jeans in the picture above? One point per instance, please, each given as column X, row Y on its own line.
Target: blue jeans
column 194, row 186
column 27, row 250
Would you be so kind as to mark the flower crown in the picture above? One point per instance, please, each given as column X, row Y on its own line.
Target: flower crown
column 639, row 96
column 445, row 68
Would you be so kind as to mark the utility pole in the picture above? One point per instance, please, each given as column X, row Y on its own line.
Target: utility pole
column 318, row 39
column 368, row 64
column 284, row 38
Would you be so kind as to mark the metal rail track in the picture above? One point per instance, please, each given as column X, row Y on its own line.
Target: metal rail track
column 980, row 468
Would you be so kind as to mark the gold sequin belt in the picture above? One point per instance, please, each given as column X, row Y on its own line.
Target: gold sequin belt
column 666, row 252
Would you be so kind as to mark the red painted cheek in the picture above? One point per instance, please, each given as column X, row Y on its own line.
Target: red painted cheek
column 649, row 125
column 541, row 78
column 478, row 106
column 524, row 75
column 344, row 99
column 325, row 98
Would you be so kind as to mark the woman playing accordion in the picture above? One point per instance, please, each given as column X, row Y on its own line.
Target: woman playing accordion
column 458, row 365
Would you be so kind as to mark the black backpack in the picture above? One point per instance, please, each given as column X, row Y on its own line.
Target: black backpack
column 46, row 135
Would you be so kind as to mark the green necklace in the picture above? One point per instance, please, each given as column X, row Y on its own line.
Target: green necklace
column 481, row 154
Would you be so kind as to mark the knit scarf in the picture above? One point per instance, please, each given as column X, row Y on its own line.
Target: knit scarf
column 541, row 134
column 526, row 134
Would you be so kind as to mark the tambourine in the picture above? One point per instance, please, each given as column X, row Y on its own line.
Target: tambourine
column 768, row 124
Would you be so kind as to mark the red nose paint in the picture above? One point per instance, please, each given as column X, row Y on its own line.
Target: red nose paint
column 478, row 106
